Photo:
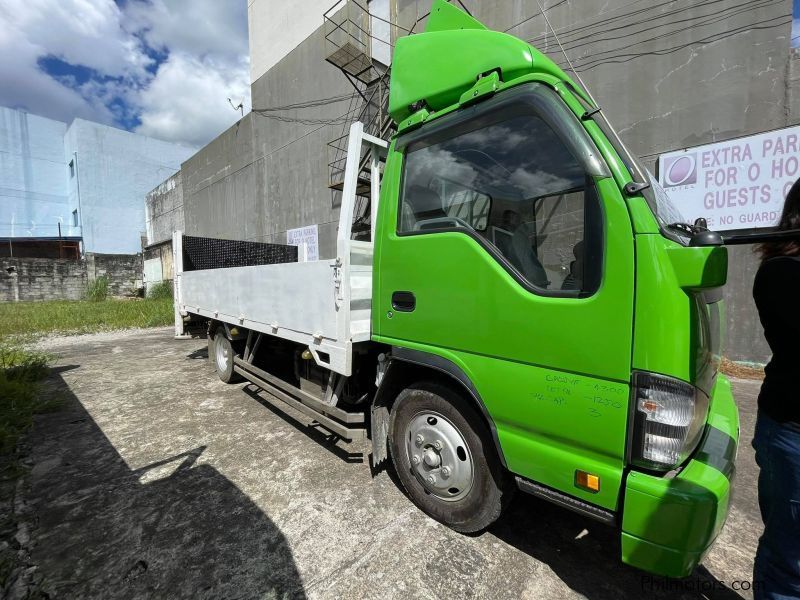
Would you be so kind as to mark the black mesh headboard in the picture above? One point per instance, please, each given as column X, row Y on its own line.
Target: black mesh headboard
column 211, row 253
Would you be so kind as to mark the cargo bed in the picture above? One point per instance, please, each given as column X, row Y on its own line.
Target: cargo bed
column 324, row 304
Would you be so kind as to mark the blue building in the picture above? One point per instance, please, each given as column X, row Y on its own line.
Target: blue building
column 83, row 182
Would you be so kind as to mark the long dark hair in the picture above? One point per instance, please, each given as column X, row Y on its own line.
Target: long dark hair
column 790, row 219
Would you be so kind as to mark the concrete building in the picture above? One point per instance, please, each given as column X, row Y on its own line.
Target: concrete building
column 669, row 75
column 163, row 215
column 82, row 182
column 34, row 196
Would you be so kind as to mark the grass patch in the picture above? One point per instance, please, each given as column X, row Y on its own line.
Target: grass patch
column 73, row 317
column 162, row 289
column 97, row 290
column 21, row 370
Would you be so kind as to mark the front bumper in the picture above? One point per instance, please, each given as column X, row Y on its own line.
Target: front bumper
column 670, row 523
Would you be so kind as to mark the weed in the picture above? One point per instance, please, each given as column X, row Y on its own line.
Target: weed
column 162, row 289
column 21, row 370
column 97, row 290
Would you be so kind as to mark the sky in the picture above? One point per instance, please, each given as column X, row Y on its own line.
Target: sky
column 163, row 68
column 796, row 25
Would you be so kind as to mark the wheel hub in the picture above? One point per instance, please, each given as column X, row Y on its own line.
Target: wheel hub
column 222, row 357
column 432, row 458
column 439, row 456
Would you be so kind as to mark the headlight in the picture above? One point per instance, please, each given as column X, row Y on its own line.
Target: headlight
column 668, row 420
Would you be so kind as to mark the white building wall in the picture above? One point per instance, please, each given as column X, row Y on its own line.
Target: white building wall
column 277, row 27
column 33, row 176
column 115, row 169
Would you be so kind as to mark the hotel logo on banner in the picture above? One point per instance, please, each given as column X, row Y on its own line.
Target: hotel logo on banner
column 738, row 184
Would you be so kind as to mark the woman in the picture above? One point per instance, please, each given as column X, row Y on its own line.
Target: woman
column 777, row 437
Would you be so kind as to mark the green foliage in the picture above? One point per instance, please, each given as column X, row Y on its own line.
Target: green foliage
column 97, row 290
column 19, row 364
column 73, row 317
column 22, row 369
column 162, row 289
column 20, row 373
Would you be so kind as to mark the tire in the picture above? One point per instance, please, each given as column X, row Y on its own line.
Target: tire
column 472, row 493
column 223, row 353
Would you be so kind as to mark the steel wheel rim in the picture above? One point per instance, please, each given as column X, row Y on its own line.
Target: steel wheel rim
column 221, row 353
column 439, row 456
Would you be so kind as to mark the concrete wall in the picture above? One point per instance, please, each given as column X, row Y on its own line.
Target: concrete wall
column 33, row 176
column 123, row 271
column 163, row 207
column 158, row 264
column 115, row 169
column 264, row 176
column 37, row 279
column 277, row 27
column 26, row 279
column 670, row 76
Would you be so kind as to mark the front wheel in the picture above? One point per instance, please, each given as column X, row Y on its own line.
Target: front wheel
column 223, row 358
column 445, row 458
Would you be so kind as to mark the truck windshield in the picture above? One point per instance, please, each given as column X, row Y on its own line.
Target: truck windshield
column 661, row 204
column 658, row 200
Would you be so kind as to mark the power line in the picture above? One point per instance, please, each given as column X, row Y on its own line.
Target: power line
column 624, row 58
column 533, row 16
column 710, row 21
column 570, row 29
column 309, row 103
column 614, row 55
column 711, row 18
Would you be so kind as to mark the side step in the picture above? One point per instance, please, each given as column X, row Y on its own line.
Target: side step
column 567, row 501
column 331, row 418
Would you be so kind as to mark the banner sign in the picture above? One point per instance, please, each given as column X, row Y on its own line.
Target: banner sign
column 738, row 184
column 305, row 237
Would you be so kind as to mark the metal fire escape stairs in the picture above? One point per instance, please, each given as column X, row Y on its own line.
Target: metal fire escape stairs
column 358, row 43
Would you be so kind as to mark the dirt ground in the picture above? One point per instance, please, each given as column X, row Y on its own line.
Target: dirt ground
column 159, row 481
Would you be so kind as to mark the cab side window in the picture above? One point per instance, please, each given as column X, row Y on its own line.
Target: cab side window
column 513, row 185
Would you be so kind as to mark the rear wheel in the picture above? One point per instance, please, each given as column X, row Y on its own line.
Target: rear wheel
column 223, row 354
column 445, row 458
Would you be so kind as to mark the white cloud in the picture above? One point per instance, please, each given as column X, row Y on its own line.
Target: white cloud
column 184, row 101
column 187, row 100
column 81, row 32
column 198, row 27
column 208, row 63
column 24, row 85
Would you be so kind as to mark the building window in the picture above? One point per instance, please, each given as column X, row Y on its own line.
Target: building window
column 512, row 184
column 72, row 168
column 75, row 218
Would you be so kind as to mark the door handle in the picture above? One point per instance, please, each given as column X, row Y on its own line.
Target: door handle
column 404, row 301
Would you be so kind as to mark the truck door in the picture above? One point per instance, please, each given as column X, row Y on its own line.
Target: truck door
column 505, row 246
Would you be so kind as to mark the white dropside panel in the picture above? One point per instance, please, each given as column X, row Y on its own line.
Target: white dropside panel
column 298, row 297
column 360, row 291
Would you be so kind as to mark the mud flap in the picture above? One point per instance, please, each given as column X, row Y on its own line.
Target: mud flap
column 379, row 421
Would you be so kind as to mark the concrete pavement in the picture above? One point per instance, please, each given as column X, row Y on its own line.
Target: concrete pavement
column 159, row 481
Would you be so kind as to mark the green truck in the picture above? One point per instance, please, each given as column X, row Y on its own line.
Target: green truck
column 528, row 312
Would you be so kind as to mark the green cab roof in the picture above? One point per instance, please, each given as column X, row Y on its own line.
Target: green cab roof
column 445, row 61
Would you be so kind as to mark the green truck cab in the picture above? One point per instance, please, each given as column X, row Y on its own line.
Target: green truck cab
column 549, row 327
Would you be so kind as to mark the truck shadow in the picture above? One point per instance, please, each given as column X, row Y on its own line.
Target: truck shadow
column 174, row 528
column 585, row 555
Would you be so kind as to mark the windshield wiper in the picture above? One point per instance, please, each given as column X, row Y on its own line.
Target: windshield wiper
column 698, row 234
column 685, row 228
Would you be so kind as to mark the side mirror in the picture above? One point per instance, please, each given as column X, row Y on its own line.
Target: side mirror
column 701, row 223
